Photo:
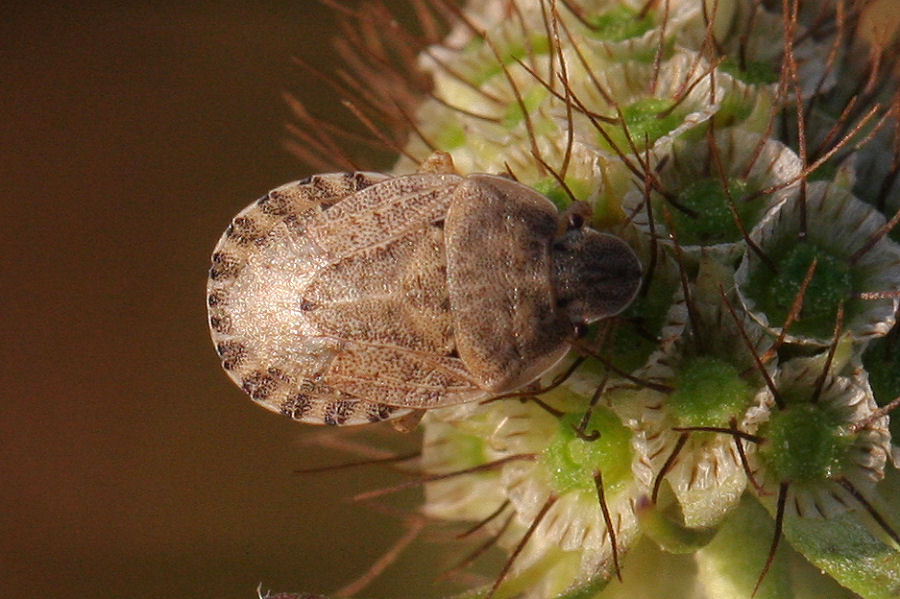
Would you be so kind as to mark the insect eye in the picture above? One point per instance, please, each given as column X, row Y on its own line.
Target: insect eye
column 576, row 221
column 579, row 329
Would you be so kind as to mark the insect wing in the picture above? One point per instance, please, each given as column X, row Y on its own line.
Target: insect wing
column 313, row 299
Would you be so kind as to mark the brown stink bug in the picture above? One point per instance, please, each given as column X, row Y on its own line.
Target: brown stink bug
column 356, row 297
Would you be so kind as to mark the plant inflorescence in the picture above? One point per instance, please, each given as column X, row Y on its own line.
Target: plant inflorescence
column 740, row 411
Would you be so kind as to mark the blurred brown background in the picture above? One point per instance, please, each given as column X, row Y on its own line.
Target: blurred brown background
column 130, row 466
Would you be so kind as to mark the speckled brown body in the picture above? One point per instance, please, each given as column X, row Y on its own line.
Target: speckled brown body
column 352, row 298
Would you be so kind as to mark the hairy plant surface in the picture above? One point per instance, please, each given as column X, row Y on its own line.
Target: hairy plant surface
column 730, row 434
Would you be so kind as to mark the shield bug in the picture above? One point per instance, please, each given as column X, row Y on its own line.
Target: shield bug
column 357, row 297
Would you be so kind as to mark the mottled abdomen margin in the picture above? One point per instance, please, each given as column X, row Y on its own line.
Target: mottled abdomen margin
column 266, row 228
column 327, row 299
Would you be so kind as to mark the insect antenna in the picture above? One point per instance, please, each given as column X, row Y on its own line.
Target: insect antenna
column 521, row 545
column 486, row 467
column 776, row 538
column 607, row 519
